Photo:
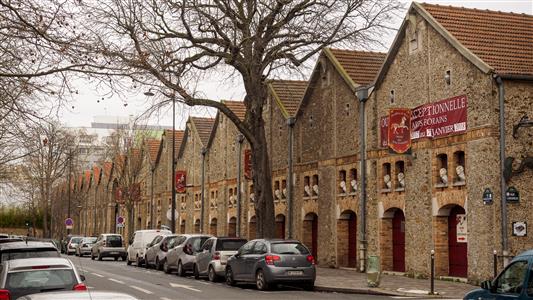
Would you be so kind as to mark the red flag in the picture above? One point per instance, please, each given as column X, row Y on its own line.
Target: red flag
column 181, row 181
column 399, row 130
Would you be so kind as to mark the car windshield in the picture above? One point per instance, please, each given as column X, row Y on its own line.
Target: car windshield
column 90, row 240
column 289, row 248
column 197, row 242
column 29, row 253
column 75, row 240
column 114, row 241
column 229, row 245
column 29, row 282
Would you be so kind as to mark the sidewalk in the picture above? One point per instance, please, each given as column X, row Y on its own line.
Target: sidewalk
column 351, row 281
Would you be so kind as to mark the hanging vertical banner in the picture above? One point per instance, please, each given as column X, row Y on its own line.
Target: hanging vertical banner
column 384, row 131
column 399, row 130
column 462, row 229
column 181, row 181
column 118, row 195
column 248, row 164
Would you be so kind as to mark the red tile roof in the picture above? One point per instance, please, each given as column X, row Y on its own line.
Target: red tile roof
column 237, row 107
column 153, row 147
column 96, row 174
column 87, row 174
column 108, row 166
column 204, row 126
column 178, row 135
column 361, row 66
column 502, row 40
column 289, row 93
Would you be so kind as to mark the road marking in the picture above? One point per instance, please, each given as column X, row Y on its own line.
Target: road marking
column 204, row 282
column 183, row 286
column 96, row 274
column 117, row 281
column 141, row 289
column 165, row 298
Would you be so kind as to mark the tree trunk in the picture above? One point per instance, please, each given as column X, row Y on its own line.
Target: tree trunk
column 130, row 220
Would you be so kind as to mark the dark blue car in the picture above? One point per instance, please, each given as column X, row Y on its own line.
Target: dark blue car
column 514, row 282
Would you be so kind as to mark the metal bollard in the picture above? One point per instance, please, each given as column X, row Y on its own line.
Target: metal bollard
column 495, row 260
column 432, row 292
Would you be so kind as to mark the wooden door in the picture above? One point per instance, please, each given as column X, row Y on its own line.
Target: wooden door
column 457, row 252
column 352, row 241
column 398, row 241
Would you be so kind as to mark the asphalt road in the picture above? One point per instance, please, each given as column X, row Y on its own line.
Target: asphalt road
column 109, row 275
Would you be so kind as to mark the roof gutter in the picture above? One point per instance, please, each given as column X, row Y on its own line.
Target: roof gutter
column 503, row 187
column 515, row 77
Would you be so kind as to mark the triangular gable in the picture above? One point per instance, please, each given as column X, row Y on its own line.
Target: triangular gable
column 203, row 128
column 287, row 94
column 236, row 107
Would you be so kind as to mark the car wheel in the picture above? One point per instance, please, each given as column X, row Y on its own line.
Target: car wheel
column 166, row 267
column 181, row 271
column 212, row 275
column 309, row 286
column 157, row 265
column 92, row 256
column 124, row 258
column 116, row 258
column 260, row 280
column 196, row 272
column 99, row 256
column 128, row 261
column 147, row 263
column 229, row 277
column 139, row 263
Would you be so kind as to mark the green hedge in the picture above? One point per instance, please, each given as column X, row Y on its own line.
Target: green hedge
column 16, row 217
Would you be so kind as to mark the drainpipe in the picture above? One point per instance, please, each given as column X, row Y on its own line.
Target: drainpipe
column 95, row 211
column 204, row 151
column 362, row 95
column 503, row 185
column 152, row 200
column 240, row 139
column 291, row 121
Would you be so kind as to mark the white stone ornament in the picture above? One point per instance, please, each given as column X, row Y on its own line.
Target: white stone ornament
column 252, row 197
column 285, row 193
column 315, row 189
column 401, row 179
column 307, row 190
column 443, row 173
column 460, row 170
column 278, row 194
column 354, row 184
column 343, row 186
column 387, row 181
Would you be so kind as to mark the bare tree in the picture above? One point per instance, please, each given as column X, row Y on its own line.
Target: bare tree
column 175, row 43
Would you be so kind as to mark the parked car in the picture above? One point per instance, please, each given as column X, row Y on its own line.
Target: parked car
column 139, row 242
column 514, row 282
column 109, row 245
column 4, row 236
column 64, row 243
column 271, row 261
column 158, row 249
column 10, row 240
column 27, row 249
column 72, row 244
column 93, row 295
column 84, row 248
column 20, row 277
column 212, row 258
column 182, row 257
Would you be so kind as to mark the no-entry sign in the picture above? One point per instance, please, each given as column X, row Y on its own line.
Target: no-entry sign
column 69, row 223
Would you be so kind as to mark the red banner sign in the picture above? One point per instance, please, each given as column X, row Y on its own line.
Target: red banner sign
column 119, row 195
column 433, row 120
column 181, row 181
column 248, row 164
column 399, row 130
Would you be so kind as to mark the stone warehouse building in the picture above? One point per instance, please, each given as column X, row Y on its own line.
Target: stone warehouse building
column 449, row 67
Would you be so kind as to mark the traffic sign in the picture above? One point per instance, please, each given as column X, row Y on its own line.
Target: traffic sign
column 69, row 223
column 120, row 220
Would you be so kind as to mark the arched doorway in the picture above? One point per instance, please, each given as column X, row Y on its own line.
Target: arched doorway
column 310, row 233
column 347, row 239
column 232, row 227
column 280, row 227
column 398, row 241
column 182, row 226
column 252, row 228
column 213, row 227
column 457, row 246
column 197, row 226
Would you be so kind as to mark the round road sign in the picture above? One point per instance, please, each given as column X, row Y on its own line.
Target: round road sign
column 69, row 222
column 120, row 220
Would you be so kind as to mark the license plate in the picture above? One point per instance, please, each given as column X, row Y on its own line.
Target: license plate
column 114, row 252
column 295, row 273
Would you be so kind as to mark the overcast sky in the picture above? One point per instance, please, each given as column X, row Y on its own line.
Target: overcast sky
column 81, row 111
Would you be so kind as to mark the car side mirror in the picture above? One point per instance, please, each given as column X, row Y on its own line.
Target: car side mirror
column 486, row 285
column 130, row 241
column 82, row 277
column 148, row 245
column 238, row 254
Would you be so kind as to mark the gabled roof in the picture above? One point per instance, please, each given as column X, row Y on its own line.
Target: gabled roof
column 203, row 126
column 236, row 107
column 502, row 40
column 108, row 169
column 178, row 135
column 492, row 41
column 152, row 146
column 87, row 183
column 97, row 172
column 288, row 94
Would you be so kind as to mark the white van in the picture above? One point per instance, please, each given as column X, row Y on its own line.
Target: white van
column 137, row 245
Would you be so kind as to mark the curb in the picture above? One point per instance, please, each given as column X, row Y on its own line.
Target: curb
column 369, row 291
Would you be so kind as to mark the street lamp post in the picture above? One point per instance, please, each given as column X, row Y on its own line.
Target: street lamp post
column 173, row 176
column 69, row 184
column 290, row 122
column 240, row 139
column 204, row 151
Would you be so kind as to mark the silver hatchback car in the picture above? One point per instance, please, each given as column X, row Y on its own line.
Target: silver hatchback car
column 109, row 245
column 158, row 249
column 182, row 256
column 212, row 258
column 269, row 262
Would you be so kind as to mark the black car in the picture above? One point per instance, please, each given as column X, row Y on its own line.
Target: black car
column 27, row 249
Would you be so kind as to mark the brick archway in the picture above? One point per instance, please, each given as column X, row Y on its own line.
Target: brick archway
column 213, row 227
column 310, row 233
column 280, row 227
column 232, row 227
column 252, row 228
column 451, row 253
column 197, row 226
column 182, row 226
column 347, row 239
column 392, row 240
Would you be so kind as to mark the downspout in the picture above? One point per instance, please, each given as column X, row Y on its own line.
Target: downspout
column 152, row 201
column 240, row 139
column 362, row 95
column 291, row 121
column 503, row 185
